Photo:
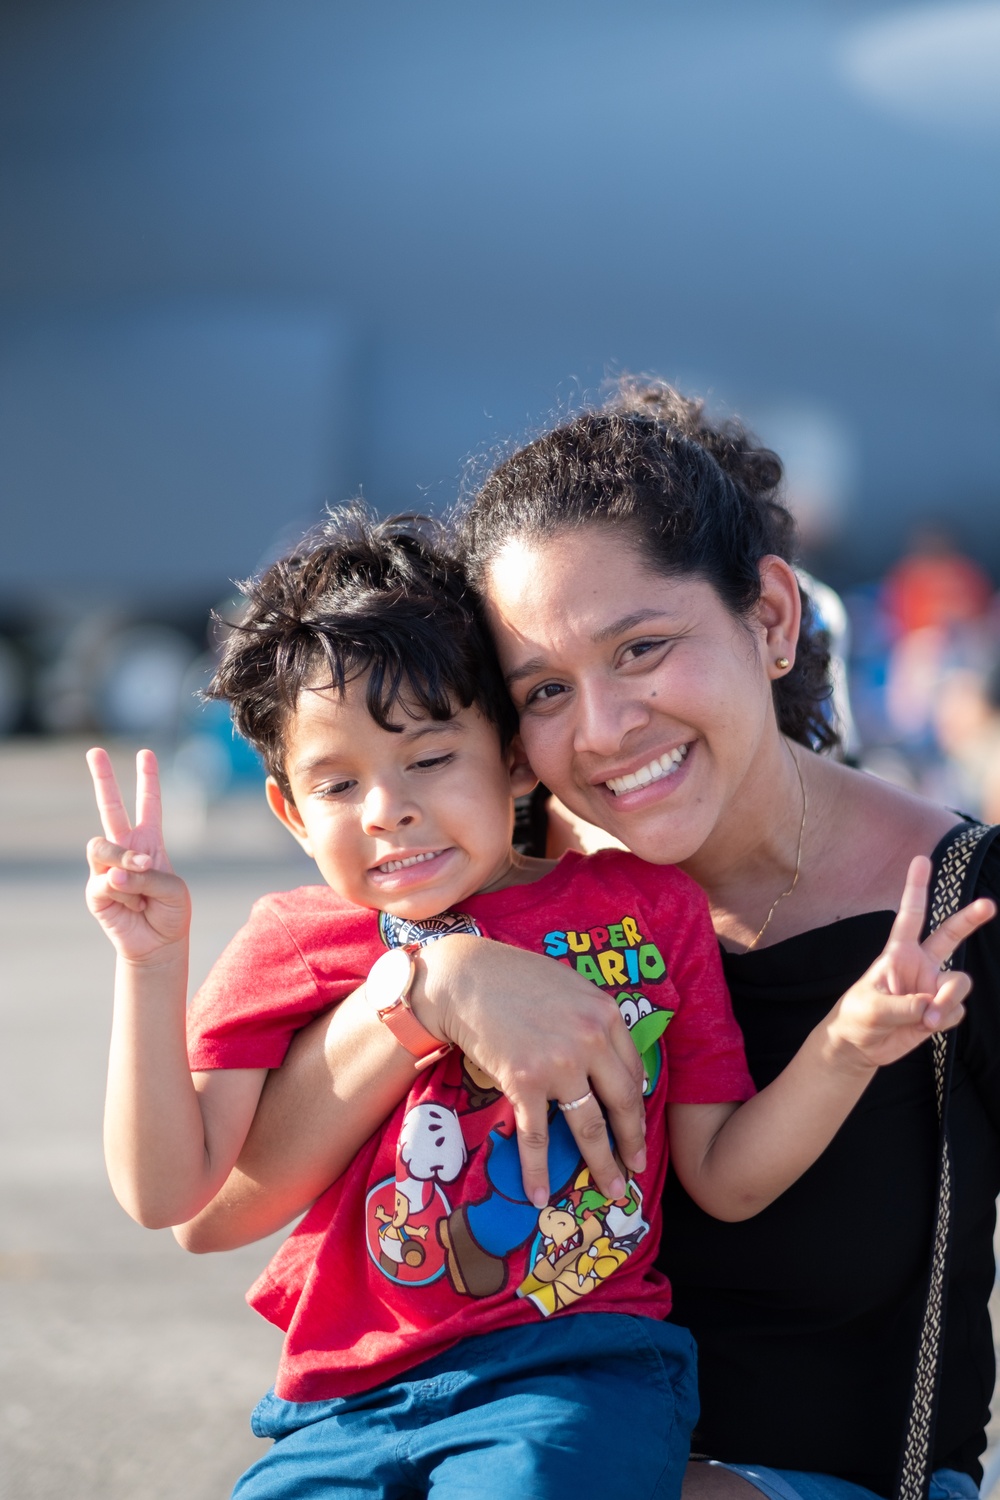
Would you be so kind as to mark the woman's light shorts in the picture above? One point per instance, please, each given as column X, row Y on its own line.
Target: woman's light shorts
column 796, row 1484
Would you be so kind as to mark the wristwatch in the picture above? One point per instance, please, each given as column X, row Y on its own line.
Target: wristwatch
column 388, row 990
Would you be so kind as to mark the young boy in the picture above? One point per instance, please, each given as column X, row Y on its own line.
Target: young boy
column 426, row 1301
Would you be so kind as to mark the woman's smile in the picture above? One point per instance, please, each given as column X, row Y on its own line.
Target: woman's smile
column 654, row 770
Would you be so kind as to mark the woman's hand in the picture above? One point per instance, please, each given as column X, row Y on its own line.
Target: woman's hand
column 538, row 1029
column 541, row 1032
column 905, row 995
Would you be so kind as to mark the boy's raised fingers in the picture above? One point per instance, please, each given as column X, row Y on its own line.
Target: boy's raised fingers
column 114, row 818
column 942, row 942
column 148, row 805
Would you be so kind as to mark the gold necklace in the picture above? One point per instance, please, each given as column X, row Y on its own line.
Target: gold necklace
column 798, row 857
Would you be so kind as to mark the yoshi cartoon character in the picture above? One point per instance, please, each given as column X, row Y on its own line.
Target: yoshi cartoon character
column 646, row 1026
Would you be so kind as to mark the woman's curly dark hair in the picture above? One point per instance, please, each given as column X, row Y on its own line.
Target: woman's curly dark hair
column 699, row 497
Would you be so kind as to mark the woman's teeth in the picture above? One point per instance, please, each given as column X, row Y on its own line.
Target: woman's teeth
column 401, row 864
column 655, row 771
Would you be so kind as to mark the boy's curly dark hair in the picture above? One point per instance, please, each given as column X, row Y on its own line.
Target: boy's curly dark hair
column 359, row 595
column 699, row 498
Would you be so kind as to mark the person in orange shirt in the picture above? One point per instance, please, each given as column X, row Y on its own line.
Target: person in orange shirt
column 934, row 584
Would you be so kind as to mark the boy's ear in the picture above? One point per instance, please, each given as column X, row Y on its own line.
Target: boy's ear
column 287, row 813
column 522, row 778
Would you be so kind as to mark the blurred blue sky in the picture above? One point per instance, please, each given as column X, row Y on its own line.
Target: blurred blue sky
column 257, row 253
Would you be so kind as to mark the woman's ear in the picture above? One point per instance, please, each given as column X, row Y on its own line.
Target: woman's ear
column 286, row 812
column 779, row 614
column 522, row 778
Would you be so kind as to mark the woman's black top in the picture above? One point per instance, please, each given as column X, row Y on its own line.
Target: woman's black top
column 807, row 1316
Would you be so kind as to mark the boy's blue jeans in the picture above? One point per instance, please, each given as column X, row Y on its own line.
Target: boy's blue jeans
column 588, row 1404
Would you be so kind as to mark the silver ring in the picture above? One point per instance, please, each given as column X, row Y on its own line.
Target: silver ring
column 577, row 1103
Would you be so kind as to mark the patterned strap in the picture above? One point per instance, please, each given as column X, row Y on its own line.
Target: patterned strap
column 950, row 891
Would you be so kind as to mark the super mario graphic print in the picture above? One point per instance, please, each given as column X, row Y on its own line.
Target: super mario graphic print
column 456, row 1205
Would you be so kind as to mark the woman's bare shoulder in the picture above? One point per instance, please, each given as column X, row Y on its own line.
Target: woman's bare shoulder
column 869, row 830
column 890, row 809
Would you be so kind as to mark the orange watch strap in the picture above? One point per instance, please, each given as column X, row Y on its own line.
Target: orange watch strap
column 388, row 986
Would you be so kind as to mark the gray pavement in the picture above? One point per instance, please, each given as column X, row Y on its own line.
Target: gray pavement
column 127, row 1368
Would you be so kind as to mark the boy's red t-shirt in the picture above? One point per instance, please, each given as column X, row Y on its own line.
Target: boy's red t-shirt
column 427, row 1237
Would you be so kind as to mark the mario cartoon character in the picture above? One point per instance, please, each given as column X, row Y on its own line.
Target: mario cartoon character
column 431, row 1151
column 478, row 1237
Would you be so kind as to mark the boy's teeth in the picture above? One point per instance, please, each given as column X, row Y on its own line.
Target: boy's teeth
column 655, row 771
column 401, row 864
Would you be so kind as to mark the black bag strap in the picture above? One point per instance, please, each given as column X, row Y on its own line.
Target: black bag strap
column 954, row 885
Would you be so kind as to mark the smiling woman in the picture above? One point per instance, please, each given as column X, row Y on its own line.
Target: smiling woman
column 649, row 721
column 673, row 690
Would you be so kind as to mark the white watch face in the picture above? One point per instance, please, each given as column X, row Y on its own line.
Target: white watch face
column 388, row 978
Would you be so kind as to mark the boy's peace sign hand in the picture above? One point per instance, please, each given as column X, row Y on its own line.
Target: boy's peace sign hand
column 905, row 996
column 142, row 905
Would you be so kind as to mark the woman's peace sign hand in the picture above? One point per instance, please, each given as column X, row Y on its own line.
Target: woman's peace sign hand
column 905, row 995
column 142, row 905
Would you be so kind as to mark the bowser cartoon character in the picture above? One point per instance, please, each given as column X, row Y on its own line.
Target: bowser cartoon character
column 582, row 1240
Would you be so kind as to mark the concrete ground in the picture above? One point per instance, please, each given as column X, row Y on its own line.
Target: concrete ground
column 127, row 1368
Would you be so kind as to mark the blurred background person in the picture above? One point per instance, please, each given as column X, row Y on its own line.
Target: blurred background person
column 934, row 586
column 966, row 721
